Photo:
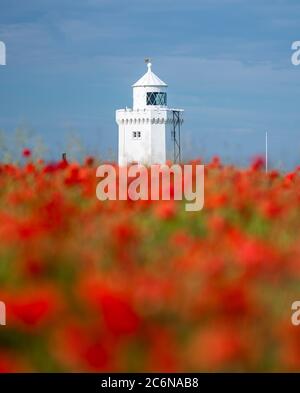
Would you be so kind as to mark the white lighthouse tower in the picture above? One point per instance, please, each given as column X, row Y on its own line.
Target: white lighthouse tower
column 145, row 129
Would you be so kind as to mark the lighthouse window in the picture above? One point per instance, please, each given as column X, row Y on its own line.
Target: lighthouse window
column 136, row 134
column 156, row 98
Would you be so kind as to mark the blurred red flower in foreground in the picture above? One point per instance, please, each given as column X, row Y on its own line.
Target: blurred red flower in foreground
column 147, row 286
column 114, row 306
column 33, row 307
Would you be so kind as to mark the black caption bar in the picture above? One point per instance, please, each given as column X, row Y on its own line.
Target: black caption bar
column 86, row 383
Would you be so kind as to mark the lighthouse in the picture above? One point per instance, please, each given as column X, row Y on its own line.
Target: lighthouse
column 146, row 129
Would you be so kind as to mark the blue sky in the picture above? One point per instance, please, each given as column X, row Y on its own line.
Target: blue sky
column 71, row 63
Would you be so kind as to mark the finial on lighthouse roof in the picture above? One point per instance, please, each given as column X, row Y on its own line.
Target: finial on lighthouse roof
column 149, row 79
column 148, row 62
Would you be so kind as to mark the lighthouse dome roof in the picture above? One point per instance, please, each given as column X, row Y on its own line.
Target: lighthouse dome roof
column 149, row 79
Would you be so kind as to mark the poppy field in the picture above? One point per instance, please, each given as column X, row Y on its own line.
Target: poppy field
column 145, row 285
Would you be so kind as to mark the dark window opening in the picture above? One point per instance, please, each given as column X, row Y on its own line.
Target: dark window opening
column 136, row 134
column 156, row 98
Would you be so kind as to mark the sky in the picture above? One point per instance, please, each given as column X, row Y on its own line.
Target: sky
column 71, row 64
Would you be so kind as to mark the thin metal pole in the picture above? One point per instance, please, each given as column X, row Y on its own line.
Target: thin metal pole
column 174, row 137
column 179, row 147
column 266, row 152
